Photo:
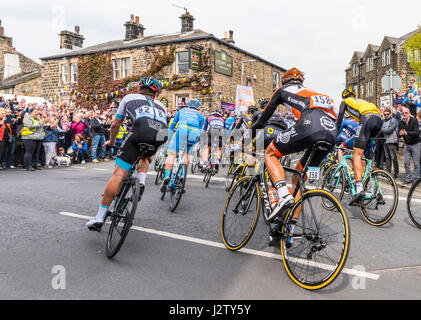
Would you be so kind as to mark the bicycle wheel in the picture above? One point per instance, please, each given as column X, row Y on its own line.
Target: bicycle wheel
column 333, row 182
column 177, row 189
column 194, row 168
column 241, row 214
column 159, row 177
column 414, row 205
column 208, row 177
column 122, row 220
column 321, row 241
column 381, row 201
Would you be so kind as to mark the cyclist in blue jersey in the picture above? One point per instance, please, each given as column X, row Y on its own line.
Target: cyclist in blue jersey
column 189, row 122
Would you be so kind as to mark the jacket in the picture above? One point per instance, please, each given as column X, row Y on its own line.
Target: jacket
column 51, row 135
column 3, row 129
column 97, row 128
column 78, row 128
column 413, row 130
column 32, row 129
column 390, row 131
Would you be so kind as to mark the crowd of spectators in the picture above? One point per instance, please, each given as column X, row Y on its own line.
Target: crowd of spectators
column 41, row 136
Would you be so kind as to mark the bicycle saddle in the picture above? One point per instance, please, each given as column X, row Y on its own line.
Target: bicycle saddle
column 323, row 145
column 146, row 149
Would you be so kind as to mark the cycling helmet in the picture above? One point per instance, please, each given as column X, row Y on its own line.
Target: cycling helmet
column 349, row 92
column 293, row 75
column 151, row 84
column 195, row 104
column 252, row 109
column 217, row 114
column 263, row 102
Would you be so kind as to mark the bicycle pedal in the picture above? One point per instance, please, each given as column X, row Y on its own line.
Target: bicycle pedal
column 274, row 242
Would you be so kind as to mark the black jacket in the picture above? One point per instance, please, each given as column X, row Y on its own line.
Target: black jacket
column 413, row 130
column 97, row 128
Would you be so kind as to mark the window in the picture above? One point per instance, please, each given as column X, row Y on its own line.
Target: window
column 367, row 89
column 182, row 62
column 181, row 99
column 65, row 73
column 369, row 64
column 386, row 57
column 275, row 80
column 73, row 69
column 248, row 84
column 121, row 68
column 362, row 91
column 371, row 88
column 117, row 69
column 126, row 68
column 355, row 70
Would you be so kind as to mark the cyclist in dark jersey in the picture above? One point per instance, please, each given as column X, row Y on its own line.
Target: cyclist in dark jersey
column 316, row 122
column 149, row 127
column 215, row 128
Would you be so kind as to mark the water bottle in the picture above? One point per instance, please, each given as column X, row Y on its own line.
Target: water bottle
column 273, row 197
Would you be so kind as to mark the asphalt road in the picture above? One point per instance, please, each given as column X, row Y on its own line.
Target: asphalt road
column 46, row 252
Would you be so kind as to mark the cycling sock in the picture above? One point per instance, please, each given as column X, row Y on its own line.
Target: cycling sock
column 283, row 191
column 102, row 212
column 142, row 177
column 359, row 186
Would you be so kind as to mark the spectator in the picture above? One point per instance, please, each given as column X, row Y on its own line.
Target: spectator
column 5, row 137
column 410, row 131
column 65, row 126
column 32, row 137
column 78, row 126
column 391, row 145
column 50, row 140
column 98, row 136
column 80, row 149
column 62, row 158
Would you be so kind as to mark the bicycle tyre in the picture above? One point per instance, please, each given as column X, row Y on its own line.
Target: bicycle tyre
column 231, row 176
column 159, row 177
column 176, row 195
column 391, row 213
column 193, row 168
column 411, row 209
column 134, row 186
column 327, row 182
column 208, row 178
column 238, row 187
column 288, row 257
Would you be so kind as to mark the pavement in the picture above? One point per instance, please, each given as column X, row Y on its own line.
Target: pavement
column 48, row 253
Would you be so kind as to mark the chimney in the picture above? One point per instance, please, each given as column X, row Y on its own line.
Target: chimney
column 71, row 40
column 134, row 29
column 229, row 39
column 8, row 40
column 187, row 22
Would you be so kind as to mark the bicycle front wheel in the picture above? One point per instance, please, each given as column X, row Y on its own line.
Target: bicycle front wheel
column 241, row 213
column 333, row 182
column 317, row 250
column 231, row 176
column 381, row 201
column 178, row 188
column 414, row 204
column 122, row 220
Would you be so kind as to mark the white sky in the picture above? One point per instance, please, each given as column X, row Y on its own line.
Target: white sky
column 318, row 37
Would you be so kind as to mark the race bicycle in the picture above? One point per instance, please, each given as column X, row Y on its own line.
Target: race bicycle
column 125, row 206
column 316, row 252
column 381, row 191
column 160, row 165
column 413, row 203
column 177, row 185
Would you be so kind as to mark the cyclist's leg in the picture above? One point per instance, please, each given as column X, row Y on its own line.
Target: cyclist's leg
column 173, row 149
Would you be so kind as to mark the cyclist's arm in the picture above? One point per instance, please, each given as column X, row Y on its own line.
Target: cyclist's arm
column 115, row 129
column 173, row 125
column 341, row 115
column 273, row 104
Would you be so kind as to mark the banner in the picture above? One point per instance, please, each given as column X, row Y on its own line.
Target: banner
column 227, row 107
column 223, row 63
column 245, row 99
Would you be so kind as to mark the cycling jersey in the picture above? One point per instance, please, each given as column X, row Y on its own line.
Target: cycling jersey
column 357, row 108
column 297, row 99
column 190, row 123
column 215, row 127
column 214, row 123
column 148, row 117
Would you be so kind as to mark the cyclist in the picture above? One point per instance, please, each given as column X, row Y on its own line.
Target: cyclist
column 368, row 116
column 189, row 122
column 148, row 116
column 214, row 126
column 347, row 132
column 316, row 122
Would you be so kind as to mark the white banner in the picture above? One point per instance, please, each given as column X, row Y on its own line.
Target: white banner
column 245, row 99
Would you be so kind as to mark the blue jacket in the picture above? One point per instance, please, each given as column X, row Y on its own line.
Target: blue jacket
column 75, row 146
column 51, row 135
column 229, row 123
column 187, row 118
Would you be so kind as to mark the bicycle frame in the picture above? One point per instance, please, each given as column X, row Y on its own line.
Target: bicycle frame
column 180, row 159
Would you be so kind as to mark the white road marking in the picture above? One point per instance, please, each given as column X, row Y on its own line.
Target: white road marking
column 221, row 246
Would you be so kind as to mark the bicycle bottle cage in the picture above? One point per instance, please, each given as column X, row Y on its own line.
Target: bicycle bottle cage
column 146, row 149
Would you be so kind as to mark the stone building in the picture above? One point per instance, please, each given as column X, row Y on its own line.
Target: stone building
column 367, row 68
column 198, row 65
column 19, row 75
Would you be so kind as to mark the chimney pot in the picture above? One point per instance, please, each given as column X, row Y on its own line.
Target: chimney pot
column 77, row 29
column 137, row 19
column 132, row 17
column 225, row 35
column 231, row 34
column 187, row 22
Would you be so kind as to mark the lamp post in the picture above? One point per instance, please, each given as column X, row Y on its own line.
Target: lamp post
column 242, row 69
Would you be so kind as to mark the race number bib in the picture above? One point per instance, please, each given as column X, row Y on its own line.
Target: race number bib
column 313, row 173
column 320, row 101
column 152, row 113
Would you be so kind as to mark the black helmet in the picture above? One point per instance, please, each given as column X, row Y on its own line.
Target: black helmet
column 263, row 102
column 252, row 109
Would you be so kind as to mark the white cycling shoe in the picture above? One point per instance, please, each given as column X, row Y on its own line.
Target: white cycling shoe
column 95, row 225
column 283, row 206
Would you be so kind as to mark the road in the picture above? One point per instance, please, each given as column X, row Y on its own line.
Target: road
column 173, row 256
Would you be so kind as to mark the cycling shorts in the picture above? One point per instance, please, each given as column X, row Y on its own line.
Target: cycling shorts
column 215, row 137
column 349, row 145
column 146, row 131
column 270, row 133
column 184, row 136
column 370, row 126
column 314, row 126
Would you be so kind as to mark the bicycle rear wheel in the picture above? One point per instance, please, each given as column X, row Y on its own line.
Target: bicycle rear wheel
column 177, row 189
column 333, row 182
column 321, row 241
column 414, row 205
column 208, row 177
column 159, row 177
column 381, row 201
column 241, row 214
column 231, row 176
column 122, row 220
